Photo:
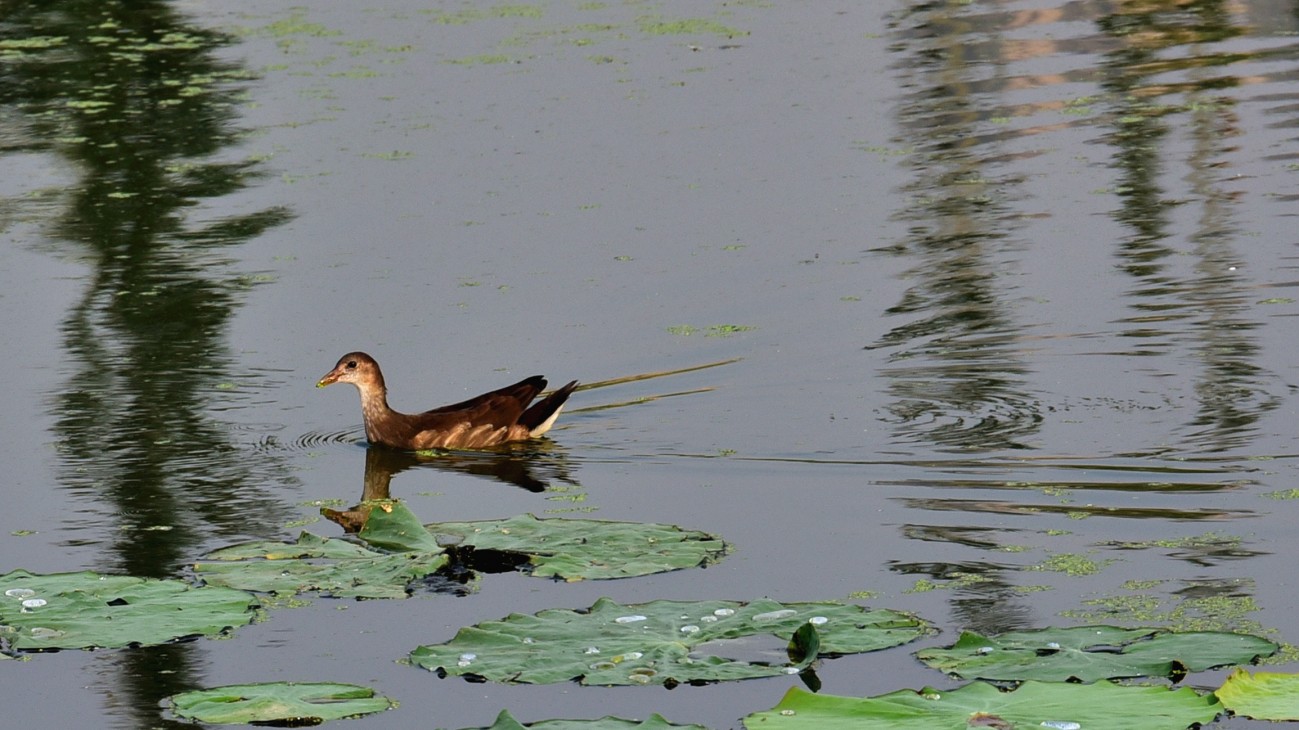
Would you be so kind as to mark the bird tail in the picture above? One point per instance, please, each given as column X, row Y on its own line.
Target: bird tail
column 541, row 415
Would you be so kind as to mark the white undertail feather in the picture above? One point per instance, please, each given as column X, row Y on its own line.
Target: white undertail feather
column 545, row 425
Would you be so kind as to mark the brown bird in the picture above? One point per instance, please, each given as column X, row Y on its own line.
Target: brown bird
column 486, row 420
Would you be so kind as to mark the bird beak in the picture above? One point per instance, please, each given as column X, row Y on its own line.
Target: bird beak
column 330, row 377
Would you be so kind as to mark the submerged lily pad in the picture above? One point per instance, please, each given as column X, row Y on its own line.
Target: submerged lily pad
column 1089, row 653
column 278, row 703
column 88, row 610
column 575, row 549
column 1032, row 705
column 662, row 642
column 1262, row 695
column 506, row 721
column 332, row 566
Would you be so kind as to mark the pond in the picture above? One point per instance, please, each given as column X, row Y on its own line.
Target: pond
column 996, row 302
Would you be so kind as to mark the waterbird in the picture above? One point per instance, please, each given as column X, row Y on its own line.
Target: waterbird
column 490, row 419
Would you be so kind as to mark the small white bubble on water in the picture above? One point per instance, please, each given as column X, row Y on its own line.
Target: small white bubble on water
column 629, row 619
column 33, row 603
column 724, row 612
column 985, row 650
column 790, row 670
column 708, row 619
column 639, row 678
column 601, row 666
column 1061, row 725
column 818, row 621
column 592, row 650
column 787, row 713
column 528, row 640
column 20, row 592
column 690, row 629
column 41, row 632
column 1052, row 645
column 775, row 615
column 628, row 657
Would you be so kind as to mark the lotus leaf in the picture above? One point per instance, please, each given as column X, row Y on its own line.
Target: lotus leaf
column 1089, row 653
column 280, row 703
column 506, row 721
column 591, row 549
column 337, row 567
column 978, row 704
column 662, row 642
column 1262, row 695
column 88, row 610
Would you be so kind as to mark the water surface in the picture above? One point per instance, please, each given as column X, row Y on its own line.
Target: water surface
column 1009, row 287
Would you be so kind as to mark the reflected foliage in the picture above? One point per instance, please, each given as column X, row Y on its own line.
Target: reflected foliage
column 138, row 110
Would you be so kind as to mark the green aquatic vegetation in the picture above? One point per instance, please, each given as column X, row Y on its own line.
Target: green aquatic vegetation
column 1071, row 564
column 88, row 610
column 483, row 59
column 1262, row 695
column 316, row 564
column 979, row 704
column 664, row 642
column 294, row 704
column 589, row 549
column 1092, row 653
column 657, row 25
column 717, row 330
column 506, row 721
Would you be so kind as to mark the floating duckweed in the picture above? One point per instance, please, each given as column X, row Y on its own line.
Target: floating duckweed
column 774, row 615
column 20, row 593
column 724, row 612
column 818, row 621
column 629, row 619
column 1061, row 725
column 34, row 603
column 592, row 650
column 690, row 629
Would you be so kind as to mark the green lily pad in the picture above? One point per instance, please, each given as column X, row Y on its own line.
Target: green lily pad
column 332, row 566
column 1033, row 704
column 392, row 526
column 280, row 703
column 506, row 721
column 88, row 610
column 1262, row 695
column 590, row 549
column 1089, row 653
column 662, row 642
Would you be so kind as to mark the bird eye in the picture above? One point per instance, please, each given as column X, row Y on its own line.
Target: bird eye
column 351, row 364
